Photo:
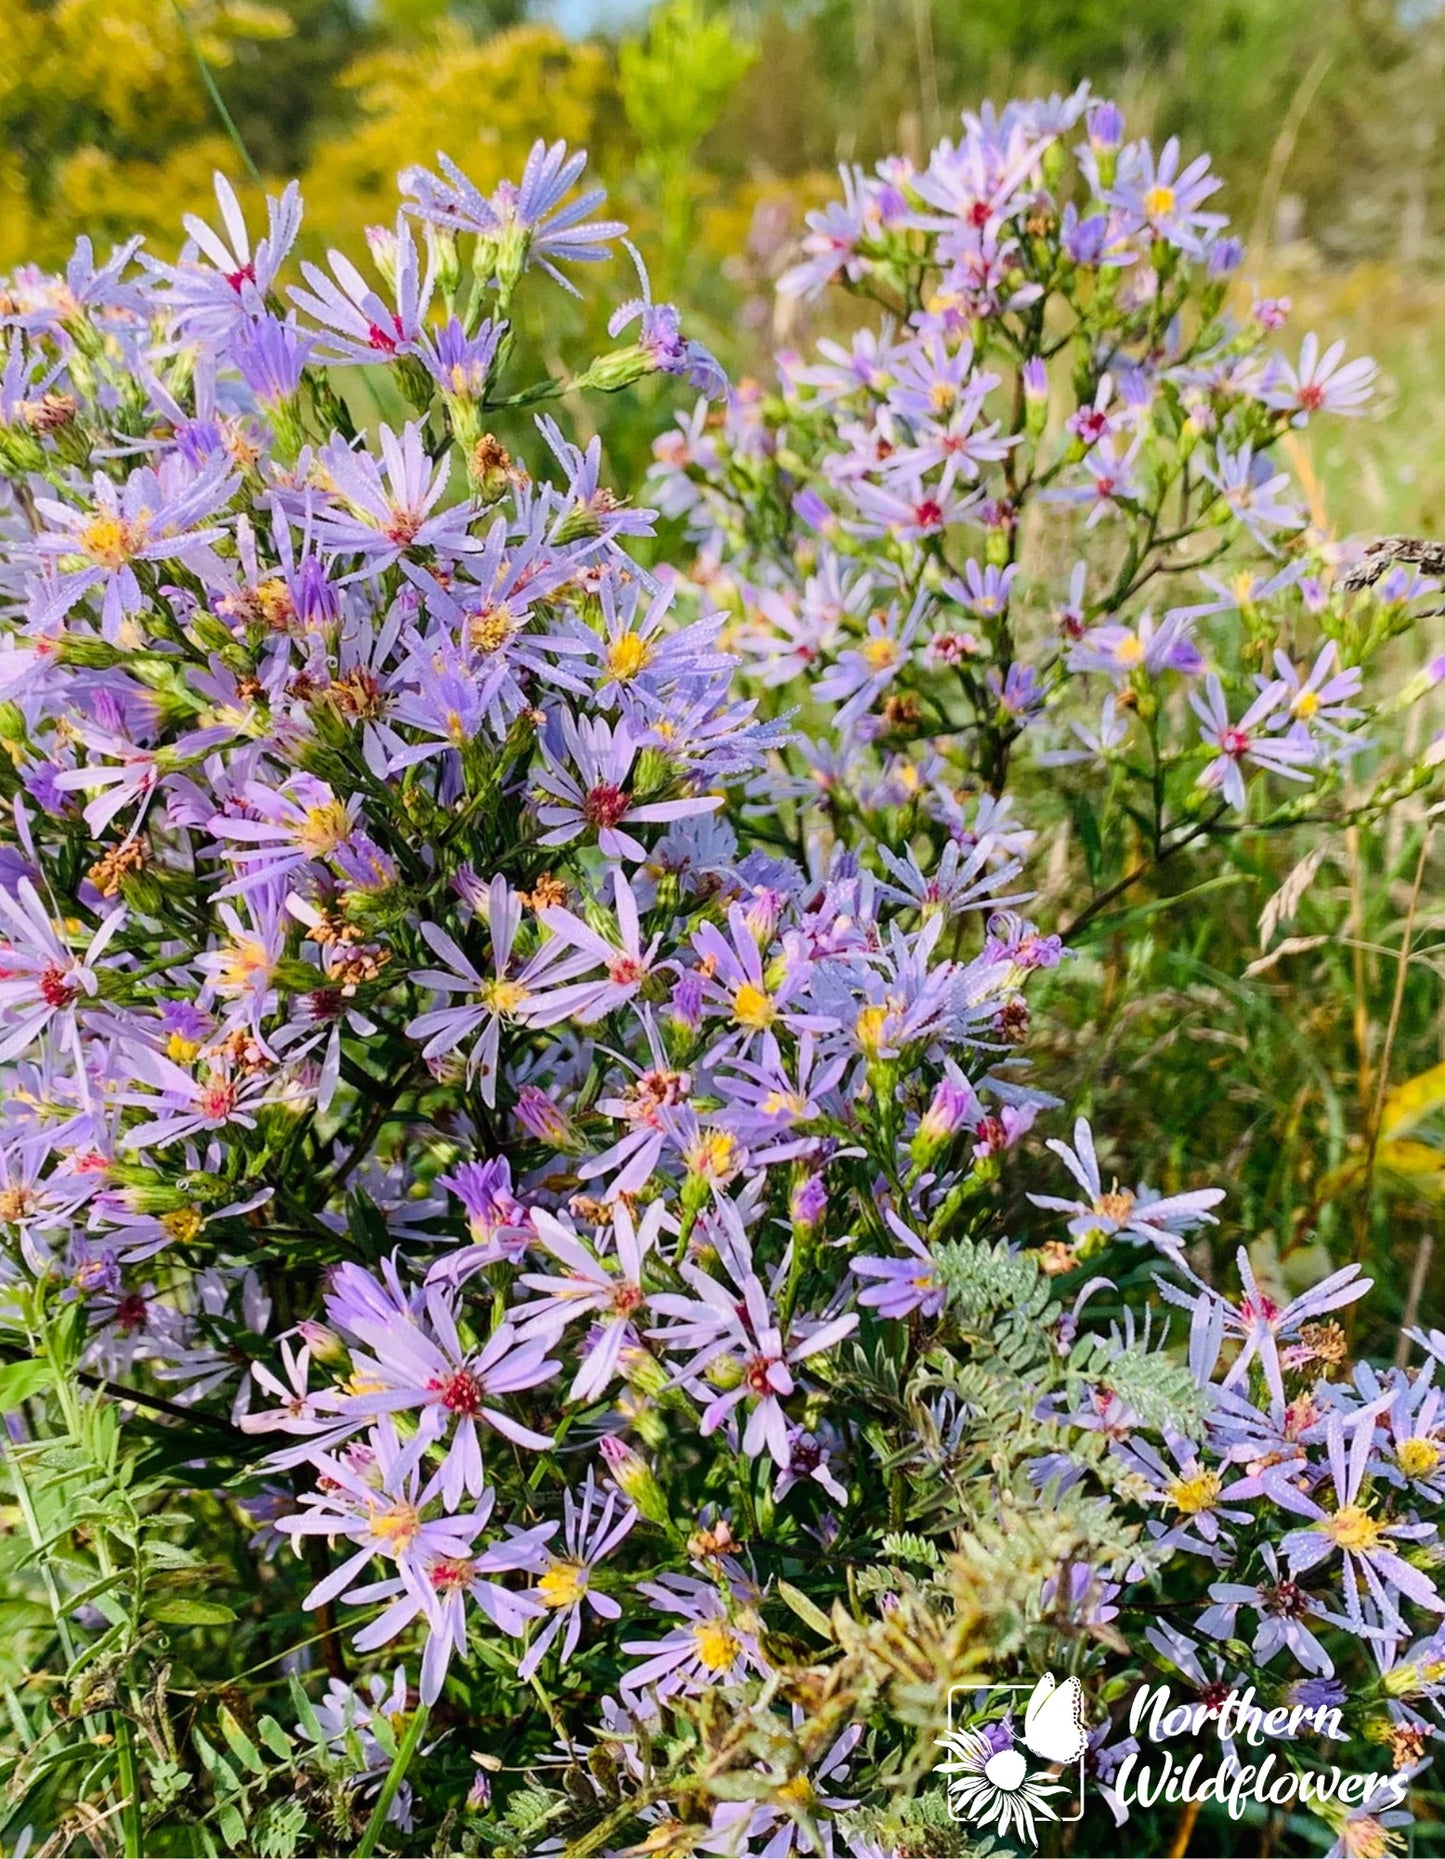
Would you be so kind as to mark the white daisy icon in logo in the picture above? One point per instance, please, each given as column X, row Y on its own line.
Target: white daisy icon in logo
column 988, row 1772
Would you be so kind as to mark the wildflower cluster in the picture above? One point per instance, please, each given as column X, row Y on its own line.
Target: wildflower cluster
column 1037, row 514
column 462, row 1101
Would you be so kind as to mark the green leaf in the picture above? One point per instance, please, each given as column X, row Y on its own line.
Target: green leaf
column 21, row 1381
column 306, row 1711
column 807, row 1611
column 241, row 1745
column 175, row 1612
column 274, row 1737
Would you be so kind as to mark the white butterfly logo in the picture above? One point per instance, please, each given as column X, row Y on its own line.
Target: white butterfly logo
column 1054, row 1720
column 992, row 1786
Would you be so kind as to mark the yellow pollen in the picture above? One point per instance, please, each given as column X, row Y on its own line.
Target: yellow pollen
column 278, row 609
column 753, row 1008
column 111, row 541
column 783, row 1103
column 627, row 656
column 491, row 630
column 1117, row 1204
column 504, row 997
column 1196, row 1493
column 1417, row 1458
column 869, row 1029
column 942, row 396
column 879, row 654
column 1158, row 202
column 717, row 1645
column 181, row 1049
column 17, row 1204
column 183, row 1223
column 714, row 1157
column 1130, row 650
column 324, row 829
column 798, row 1791
column 1353, row 1528
column 1306, row 703
column 397, row 1527
column 362, row 1384
column 242, row 966
column 563, row 1585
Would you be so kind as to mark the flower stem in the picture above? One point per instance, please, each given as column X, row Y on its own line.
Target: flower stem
column 395, row 1775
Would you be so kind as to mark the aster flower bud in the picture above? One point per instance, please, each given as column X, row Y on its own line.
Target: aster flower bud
column 634, row 1478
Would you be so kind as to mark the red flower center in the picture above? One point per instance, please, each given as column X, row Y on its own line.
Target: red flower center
column 606, row 805
column 461, row 1392
column 56, row 987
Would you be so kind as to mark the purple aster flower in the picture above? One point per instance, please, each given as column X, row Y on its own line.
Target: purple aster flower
column 1151, row 646
column 381, row 512
column 356, row 323
column 984, row 591
column 505, row 997
column 608, row 1288
column 460, row 364
column 1253, row 491
column 43, row 982
column 1367, row 1543
column 1283, row 1608
column 1137, row 1214
column 426, row 1367
column 1166, row 199
column 155, row 516
column 592, row 1527
column 518, row 225
column 712, row 1648
column 903, row 1285
column 271, row 356
column 661, row 340
column 1259, row 1322
column 298, row 824
column 1321, row 383
column 584, row 784
column 1248, row 740
column 209, row 299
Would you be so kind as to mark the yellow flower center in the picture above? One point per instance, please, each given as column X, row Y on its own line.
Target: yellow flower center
column 753, row 1008
column 17, row 1204
column 396, row 1528
column 563, row 1585
column 111, row 541
column 798, row 1791
column 1117, row 1204
column 868, row 1029
column 1306, row 703
column 1365, row 1838
column 717, row 1645
column 627, row 656
column 323, row 829
column 278, row 609
column 879, row 654
column 504, row 997
column 714, row 1157
column 183, row 1223
column 181, row 1049
column 1417, row 1458
column 1353, row 1528
column 1158, row 202
column 1195, row 1493
column 242, row 966
column 491, row 630
column 1130, row 650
